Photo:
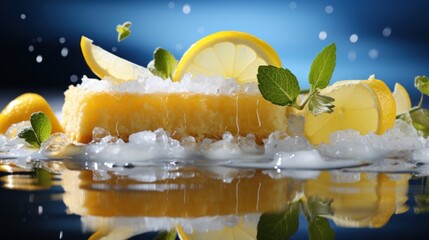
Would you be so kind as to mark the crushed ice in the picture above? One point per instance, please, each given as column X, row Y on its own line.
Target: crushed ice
column 153, row 84
column 279, row 151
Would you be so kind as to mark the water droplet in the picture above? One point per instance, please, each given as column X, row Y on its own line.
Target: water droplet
column 73, row 78
column 64, row 52
column 23, row 16
column 30, row 48
column 186, row 9
column 39, row 39
column 62, row 40
column 39, row 58
column 387, row 31
column 179, row 46
column 373, row 53
column 114, row 49
column 200, row 30
column 329, row 9
column 292, row 5
column 352, row 55
column 171, row 5
column 323, row 35
column 354, row 38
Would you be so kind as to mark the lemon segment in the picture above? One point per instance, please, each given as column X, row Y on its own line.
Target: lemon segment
column 21, row 108
column 362, row 105
column 229, row 54
column 107, row 65
column 402, row 99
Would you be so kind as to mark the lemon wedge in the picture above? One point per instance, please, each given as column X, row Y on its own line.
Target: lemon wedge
column 402, row 99
column 21, row 108
column 229, row 54
column 362, row 105
column 107, row 65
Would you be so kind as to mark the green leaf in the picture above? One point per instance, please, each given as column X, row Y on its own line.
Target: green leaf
column 167, row 235
column 319, row 229
column 163, row 64
column 420, row 118
column 278, row 85
column 273, row 226
column 29, row 136
column 422, row 84
column 41, row 126
column 322, row 68
column 123, row 30
column 319, row 104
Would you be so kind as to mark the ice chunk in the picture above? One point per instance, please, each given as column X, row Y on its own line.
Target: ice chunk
column 222, row 149
column 144, row 137
column 280, row 142
column 13, row 131
column 55, row 144
column 298, row 159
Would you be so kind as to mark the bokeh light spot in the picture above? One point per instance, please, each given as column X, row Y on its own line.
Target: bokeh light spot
column 329, row 9
column 30, row 48
column 64, row 52
column 373, row 53
column 387, row 31
column 39, row 58
column 171, row 5
column 323, row 35
column 62, row 40
column 351, row 55
column 73, row 78
column 293, row 5
column 186, row 9
column 23, row 16
column 354, row 38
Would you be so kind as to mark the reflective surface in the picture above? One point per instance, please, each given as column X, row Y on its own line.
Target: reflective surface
column 70, row 200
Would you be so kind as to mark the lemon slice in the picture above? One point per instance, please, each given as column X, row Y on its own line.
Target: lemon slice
column 107, row 65
column 21, row 108
column 402, row 99
column 229, row 54
column 362, row 105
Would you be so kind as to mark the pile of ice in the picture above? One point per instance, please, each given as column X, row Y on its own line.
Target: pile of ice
column 198, row 84
column 279, row 151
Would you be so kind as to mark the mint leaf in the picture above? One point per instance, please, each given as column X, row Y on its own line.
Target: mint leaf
column 163, row 64
column 29, row 136
column 278, row 85
column 41, row 126
column 422, row 84
column 273, row 226
column 43, row 177
column 123, row 30
column 319, row 229
column 322, row 68
column 420, row 120
column 319, row 104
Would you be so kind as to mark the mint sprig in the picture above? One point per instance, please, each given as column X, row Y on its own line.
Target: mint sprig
column 123, row 30
column 419, row 116
column 280, row 86
column 163, row 64
column 39, row 131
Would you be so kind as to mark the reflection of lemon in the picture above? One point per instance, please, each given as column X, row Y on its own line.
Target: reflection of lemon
column 402, row 99
column 242, row 230
column 107, row 65
column 366, row 106
column 229, row 54
column 360, row 199
column 21, row 108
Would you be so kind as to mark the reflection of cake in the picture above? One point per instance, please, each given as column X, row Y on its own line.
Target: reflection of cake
column 180, row 113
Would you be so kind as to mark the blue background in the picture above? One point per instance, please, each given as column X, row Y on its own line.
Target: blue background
column 292, row 28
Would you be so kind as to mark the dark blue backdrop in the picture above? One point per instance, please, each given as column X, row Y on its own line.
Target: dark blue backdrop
column 388, row 38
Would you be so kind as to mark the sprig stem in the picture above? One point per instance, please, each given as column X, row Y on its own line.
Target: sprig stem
column 302, row 105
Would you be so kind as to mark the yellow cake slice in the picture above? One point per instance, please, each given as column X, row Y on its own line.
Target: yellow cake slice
column 181, row 114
